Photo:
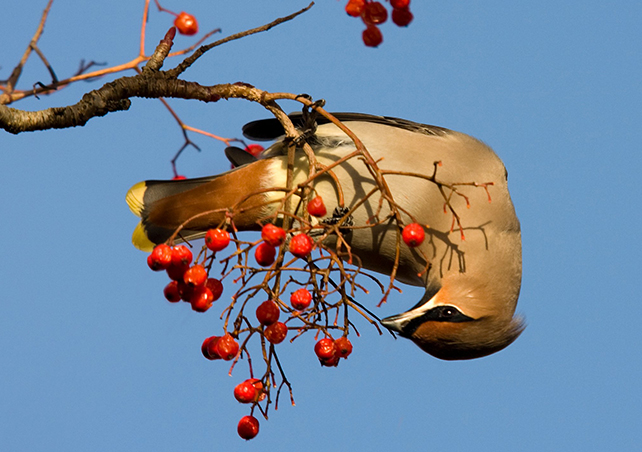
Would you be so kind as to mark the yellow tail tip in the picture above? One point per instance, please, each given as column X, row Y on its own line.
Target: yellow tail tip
column 135, row 199
column 140, row 239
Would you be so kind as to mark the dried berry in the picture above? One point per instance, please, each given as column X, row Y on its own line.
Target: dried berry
column 372, row 36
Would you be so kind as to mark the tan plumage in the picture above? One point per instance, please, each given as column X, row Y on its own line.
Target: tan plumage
column 472, row 285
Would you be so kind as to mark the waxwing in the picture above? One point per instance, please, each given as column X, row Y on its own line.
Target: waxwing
column 474, row 271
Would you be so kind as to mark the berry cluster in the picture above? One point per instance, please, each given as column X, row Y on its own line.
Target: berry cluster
column 374, row 13
column 272, row 319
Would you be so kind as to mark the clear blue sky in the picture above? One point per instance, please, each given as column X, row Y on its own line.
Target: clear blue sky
column 94, row 359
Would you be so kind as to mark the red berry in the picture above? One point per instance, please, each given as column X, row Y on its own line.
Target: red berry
column 330, row 362
column 268, row 312
column 316, row 208
column 258, row 385
column 176, row 272
column 413, row 235
column 209, row 348
column 245, row 392
column 354, row 8
column 171, row 292
column 264, row 254
column 254, row 149
column 273, row 235
column 375, row 13
column 325, row 348
column 181, row 255
column 217, row 239
column 186, row 24
column 248, row 427
column 226, row 347
column 185, row 290
column 402, row 17
column 201, row 299
column 301, row 245
column 399, row 3
column 276, row 332
column 161, row 257
column 372, row 36
column 343, row 346
column 301, row 299
column 215, row 286
column 195, row 276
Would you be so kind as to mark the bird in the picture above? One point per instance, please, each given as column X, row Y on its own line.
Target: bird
column 470, row 263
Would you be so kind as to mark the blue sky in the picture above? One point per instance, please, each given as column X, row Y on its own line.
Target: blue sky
column 94, row 359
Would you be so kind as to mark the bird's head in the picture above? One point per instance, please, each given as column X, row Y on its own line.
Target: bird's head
column 459, row 325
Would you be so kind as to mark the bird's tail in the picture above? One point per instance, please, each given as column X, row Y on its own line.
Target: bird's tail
column 197, row 205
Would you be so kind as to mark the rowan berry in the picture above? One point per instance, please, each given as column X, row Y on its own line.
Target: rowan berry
column 276, row 332
column 372, row 36
column 316, row 208
column 217, row 239
column 201, row 299
column 209, row 348
column 226, row 347
column 264, row 254
column 301, row 245
column 413, row 235
column 171, row 292
column 355, row 8
column 216, row 286
column 399, row 3
column 343, row 347
column 374, row 13
column 176, row 272
column 258, row 385
column 248, row 427
column 325, row 348
column 245, row 392
column 268, row 312
column 402, row 17
column 185, row 290
column 273, row 235
column 300, row 299
column 181, row 255
column 186, row 24
column 160, row 258
column 195, row 276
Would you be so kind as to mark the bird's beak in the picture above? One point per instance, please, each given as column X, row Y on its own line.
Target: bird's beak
column 398, row 322
column 395, row 322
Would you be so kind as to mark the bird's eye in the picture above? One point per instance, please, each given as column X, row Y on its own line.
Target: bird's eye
column 447, row 312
